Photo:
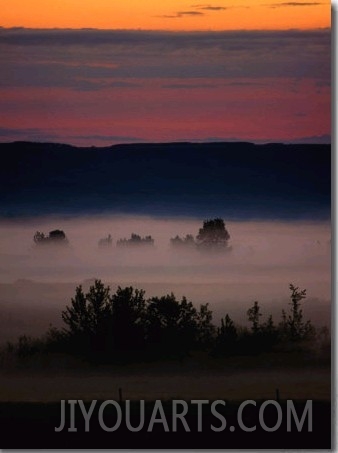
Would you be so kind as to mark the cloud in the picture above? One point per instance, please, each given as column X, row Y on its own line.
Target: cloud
column 188, row 86
column 107, row 138
column 101, row 83
column 27, row 134
column 209, row 7
column 43, row 135
column 190, row 13
column 320, row 139
column 280, row 5
column 89, row 60
column 182, row 14
column 121, row 84
column 59, row 40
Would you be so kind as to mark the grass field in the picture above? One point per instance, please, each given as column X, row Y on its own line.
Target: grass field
column 233, row 378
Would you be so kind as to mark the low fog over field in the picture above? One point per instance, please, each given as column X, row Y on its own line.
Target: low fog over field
column 36, row 282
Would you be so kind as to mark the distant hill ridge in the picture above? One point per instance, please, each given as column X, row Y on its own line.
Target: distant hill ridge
column 231, row 179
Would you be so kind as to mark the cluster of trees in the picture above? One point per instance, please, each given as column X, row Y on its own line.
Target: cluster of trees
column 125, row 326
column 106, row 242
column 212, row 236
column 54, row 237
column 187, row 242
column 264, row 336
column 135, row 239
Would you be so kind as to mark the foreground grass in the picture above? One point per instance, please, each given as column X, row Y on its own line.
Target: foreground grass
column 295, row 375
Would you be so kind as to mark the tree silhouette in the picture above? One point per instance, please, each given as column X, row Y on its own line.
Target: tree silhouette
column 39, row 237
column 227, row 336
column 89, row 319
column 206, row 329
column 128, row 320
column 213, row 235
column 57, row 237
column 293, row 325
column 136, row 240
column 126, row 327
column 254, row 315
column 269, row 333
column 106, row 242
column 174, row 327
column 187, row 241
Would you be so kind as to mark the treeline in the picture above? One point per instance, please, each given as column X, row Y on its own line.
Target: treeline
column 212, row 236
column 125, row 326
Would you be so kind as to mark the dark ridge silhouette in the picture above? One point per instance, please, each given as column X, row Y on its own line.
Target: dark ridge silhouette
column 238, row 180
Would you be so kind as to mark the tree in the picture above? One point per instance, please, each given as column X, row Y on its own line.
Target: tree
column 263, row 336
column 254, row 315
column 213, row 235
column 268, row 329
column 89, row 319
column 293, row 325
column 101, row 325
column 228, row 329
column 187, row 242
column 57, row 237
column 39, row 237
column 268, row 335
column 227, row 336
column 172, row 325
column 128, row 319
column 106, row 242
column 206, row 330
column 135, row 239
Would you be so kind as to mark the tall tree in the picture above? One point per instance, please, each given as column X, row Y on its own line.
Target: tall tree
column 253, row 315
column 89, row 318
column 172, row 324
column 294, row 325
column 213, row 235
column 128, row 317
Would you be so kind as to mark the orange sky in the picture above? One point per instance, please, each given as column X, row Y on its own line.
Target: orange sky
column 166, row 14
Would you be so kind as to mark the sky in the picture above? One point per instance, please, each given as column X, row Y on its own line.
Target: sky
column 103, row 72
column 169, row 14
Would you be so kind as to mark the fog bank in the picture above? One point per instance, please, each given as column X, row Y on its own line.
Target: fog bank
column 36, row 282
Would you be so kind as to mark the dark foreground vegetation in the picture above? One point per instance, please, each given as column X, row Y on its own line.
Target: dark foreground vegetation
column 112, row 338
column 126, row 327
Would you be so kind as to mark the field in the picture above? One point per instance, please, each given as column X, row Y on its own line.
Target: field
column 30, row 401
column 234, row 378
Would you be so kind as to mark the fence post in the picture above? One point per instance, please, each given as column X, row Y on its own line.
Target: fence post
column 277, row 395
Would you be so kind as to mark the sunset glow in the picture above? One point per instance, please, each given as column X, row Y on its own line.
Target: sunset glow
column 167, row 15
column 103, row 72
